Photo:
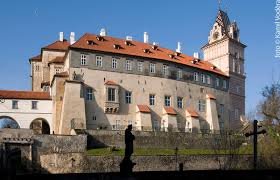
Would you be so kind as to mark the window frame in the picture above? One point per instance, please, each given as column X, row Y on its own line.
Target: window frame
column 114, row 63
column 140, row 66
column 208, row 79
column 152, row 68
column 89, row 94
column 128, row 97
column 111, row 94
column 202, row 78
column 128, row 65
column 180, row 102
column 83, row 59
column 195, row 76
column 180, row 74
column 217, row 82
column 15, row 104
column 167, row 101
column 165, row 70
column 98, row 61
column 152, row 99
column 34, row 105
column 201, row 105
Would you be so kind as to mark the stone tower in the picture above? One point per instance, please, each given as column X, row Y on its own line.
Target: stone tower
column 225, row 51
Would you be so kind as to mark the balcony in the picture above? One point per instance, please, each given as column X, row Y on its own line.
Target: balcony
column 111, row 107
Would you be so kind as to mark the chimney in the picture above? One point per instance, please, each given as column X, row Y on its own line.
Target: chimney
column 196, row 55
column 72, row 38
column 179, row 48
column 60, row 36
column 146, row 37
column 128, row 38
column 103, row 32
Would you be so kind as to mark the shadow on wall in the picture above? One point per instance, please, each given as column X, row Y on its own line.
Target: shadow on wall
column 92, row 109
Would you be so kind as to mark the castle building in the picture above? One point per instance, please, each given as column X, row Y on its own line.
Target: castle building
column 103, row 82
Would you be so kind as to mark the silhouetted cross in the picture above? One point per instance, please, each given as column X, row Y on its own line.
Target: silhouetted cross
column 255, row 134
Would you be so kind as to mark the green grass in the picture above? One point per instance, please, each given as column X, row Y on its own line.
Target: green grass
column 154, row 152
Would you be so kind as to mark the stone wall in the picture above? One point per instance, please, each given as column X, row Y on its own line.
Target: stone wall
column 79, row 163
column 150, row 139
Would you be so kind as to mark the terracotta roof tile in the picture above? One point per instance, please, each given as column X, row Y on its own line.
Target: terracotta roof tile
column 211, row 96
column 58, row 45
column 10, row 94
column 111, row 83
column 37, row 58
column 170, row 110
column 139, row 49
column 144, row 108
column 192, row 112
column 59, row 59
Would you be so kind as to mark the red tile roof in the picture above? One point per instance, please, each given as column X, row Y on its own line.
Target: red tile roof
column 9, row 94
column 37, row 58
column 192, row 112
column 59, row 59
column 170, row 110
column 139, row 49
column 111, row 83
column 58, row 45
column 211, row 96
column 144, row 108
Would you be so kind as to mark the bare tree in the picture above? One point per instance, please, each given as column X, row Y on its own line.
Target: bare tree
column 270, row 106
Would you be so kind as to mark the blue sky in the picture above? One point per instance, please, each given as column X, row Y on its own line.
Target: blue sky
column 26, row 26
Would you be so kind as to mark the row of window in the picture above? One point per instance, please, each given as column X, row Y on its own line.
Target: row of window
column 111, row 97
column 34, row 104
column 206, row 79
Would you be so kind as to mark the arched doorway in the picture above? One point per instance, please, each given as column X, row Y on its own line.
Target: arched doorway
column 40, row 126
column 8, row 122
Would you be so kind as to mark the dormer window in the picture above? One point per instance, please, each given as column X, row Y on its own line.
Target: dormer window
column 146, row 51
column 177, row 53
column 213, row 67
column 90, row 42
column 128, row 43
column 116, row 46
column 155, row 47
column 100, row 38
column 171, row 56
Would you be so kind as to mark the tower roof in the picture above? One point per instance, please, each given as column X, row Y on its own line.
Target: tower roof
column 223, row 20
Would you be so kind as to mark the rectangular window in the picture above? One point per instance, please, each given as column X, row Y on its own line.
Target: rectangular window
column 83, row 59
column 180, row 102
column 236, row 114
column 57, row 70
column 140, row 66
column 89, row 94
column 34, row 104
column 203, row 80
column 195, row 76
column 112, row 94
column 165, row 70
column 128, row 97
column 222, row 109
column 201, row 105
column 179, row 74
column 224, row 84
column 114, row 63
column 118, row 125
column 37, row 67
column 152, row 99
column 217, row 82
column 208, row 79
column 98, row 61
column 94, row 118
column 45, row 88
column 14, row 104
column 152, row 68
column 128, row 66
column 167, row 100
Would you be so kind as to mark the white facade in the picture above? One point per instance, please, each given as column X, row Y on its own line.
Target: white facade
column 24, row 115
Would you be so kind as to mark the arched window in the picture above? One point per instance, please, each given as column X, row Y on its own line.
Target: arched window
column 8, row 122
